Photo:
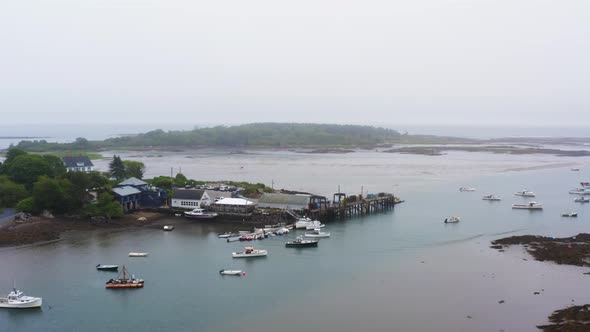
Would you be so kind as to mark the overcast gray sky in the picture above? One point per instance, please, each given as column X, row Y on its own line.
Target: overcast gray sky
column 371, row 62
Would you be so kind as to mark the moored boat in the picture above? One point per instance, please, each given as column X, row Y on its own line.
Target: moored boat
column 317, row 233
column 529, row 206
column 466, row 189
column 452, row 220
column 303, row 223
column 168, row 228
column 106, row 267
column 580, row 191
column 569, row 214
column 232, row 272
column 250, row 252
column 585, row 184
column 124, row 280
column 491, row 198
column 199, row 213
column 525, row 193
column 582, row 200
column 18, row 300
column 299, row 242
column 138, row 254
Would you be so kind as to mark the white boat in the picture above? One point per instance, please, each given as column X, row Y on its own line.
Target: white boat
column 138, row 254
column 303, row 223
column 317, row 233
column 232, row 272
column 199, row 213
column 569, row 214
column 529, row 206
column 491, row 198
column 18, row 300
column 580, row 191
column 466, row 189
column 452, row 220
column 249, row 252
column 314, row 225
column 168, row 227
column 525, row 193
column 582, row 200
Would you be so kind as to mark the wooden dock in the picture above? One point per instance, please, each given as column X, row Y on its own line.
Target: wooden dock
column 354, row 206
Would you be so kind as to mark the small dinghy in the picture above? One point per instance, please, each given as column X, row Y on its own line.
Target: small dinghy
column 317, row 233
column 452, row 220
column 225, row 235
column 168, row 228
column 570, row 214
column 138, row 254
column 232, row 273
column 106, row 267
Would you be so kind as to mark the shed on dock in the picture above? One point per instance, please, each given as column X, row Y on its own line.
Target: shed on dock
column 233, row 205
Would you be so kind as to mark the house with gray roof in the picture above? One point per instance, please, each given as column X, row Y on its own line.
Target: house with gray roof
column 134, row 193
column 78, row 163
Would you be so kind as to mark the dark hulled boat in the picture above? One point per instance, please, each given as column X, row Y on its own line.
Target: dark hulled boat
column 124, row 280
column 102, row 267
column 300, row 242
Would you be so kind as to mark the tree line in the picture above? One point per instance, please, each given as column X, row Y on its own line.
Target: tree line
column 274, row 135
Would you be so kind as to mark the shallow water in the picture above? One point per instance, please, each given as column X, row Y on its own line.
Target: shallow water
column 400, row 271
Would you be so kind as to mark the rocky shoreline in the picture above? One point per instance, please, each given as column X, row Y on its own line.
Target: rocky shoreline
column 574, row 250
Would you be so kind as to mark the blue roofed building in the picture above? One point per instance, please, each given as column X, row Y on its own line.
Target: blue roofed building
column 134, row 193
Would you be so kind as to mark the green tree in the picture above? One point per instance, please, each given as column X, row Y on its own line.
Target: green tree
column 56, row 165
column 27, row 205
column 180, row 180
column 134, row 168
column 163, row 182
column 117, row 168
column 12, row 154
column 104, row 207
column 11, row 193
column 48, row 194
column 25, row 169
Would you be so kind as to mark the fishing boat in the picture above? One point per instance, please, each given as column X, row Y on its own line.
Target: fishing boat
column 168, row 228
column 232, row 272
column 317, row 233
column 466, row 189
column 299, row 242
column 18, row 300
column 569, row 214
column 582, row 200
column 138, row 254
column 249, row 252
column 124, row 280
column 315, row 224
column 585, row 184
column 529, row 206
column 525, row 193
column 303, row 223
column 452, row 220
column 580, row 191
column 491, row 198
column 199, row 213
column 103, row 267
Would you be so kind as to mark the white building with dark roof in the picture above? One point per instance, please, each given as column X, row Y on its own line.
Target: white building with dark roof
column 78, row 163
column 187, row 198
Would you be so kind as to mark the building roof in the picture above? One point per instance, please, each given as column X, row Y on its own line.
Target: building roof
column 195, row 194
column 132, row 182
column 284, row 199
column 126, row 191
column 234, row 201
column 77, row 161
column 213, row 194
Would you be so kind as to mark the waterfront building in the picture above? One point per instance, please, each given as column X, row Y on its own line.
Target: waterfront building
column 78, row 163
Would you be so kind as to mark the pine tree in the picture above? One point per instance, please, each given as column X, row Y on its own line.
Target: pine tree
column 117, row 168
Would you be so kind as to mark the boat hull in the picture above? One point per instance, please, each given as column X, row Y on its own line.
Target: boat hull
column 36, row 303
column 301, row 245
column 517, row 207
column 108, row 268
column 258, row 253
column 201, row 216
column 231, row 272
column 138, row 254
column 123, row 286
column 317, row 235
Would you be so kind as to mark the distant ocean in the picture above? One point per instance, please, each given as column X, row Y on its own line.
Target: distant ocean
column 12, row 134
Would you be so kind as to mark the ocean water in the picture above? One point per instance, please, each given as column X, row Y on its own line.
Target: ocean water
column 404, row 270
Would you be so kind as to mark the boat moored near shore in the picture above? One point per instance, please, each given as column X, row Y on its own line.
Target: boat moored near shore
column 18, row 300
column 250, row 252
column 199, row 213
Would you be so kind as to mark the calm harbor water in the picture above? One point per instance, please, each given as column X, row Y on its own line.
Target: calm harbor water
column 399, row 271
